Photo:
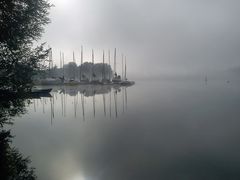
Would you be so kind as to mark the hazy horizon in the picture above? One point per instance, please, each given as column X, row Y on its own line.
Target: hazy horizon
column 173, row 115
column 158, row 37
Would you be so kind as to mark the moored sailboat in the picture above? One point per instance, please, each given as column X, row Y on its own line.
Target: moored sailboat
column 116, row 78
column 125, row 81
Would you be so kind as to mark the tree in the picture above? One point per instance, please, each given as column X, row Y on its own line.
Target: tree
column 21, row 25
column 13, row 165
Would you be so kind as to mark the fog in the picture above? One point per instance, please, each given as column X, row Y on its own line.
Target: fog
column 165, row 37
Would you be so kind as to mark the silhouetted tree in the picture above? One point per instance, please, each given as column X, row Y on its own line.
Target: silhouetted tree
column 21, row 24
column 13, row 166
column 11, row 107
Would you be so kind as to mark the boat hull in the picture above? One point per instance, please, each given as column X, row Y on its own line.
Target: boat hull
column 41, row 90
column 127, row 83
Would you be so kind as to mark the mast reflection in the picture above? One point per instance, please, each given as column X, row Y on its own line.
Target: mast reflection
column 69, row 102
column 115, row 103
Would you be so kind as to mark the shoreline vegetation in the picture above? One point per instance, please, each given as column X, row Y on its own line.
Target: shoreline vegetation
column 22, row 65
column 86, row 73
column 22, row 24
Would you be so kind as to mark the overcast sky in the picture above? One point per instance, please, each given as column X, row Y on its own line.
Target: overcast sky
column 157, row 36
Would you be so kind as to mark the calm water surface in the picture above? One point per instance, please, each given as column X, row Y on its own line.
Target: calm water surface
column 152, row 130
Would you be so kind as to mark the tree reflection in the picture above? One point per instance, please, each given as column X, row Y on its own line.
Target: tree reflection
column 11, row 107
column 13, row 166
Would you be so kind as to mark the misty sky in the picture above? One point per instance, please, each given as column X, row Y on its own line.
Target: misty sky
column 157, row 36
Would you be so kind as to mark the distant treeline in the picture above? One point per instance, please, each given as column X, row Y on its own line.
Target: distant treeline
column 87, row 71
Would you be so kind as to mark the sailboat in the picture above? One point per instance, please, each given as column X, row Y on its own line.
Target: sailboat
column 94, row 80
column 125, row 81
column 83, row 78
column 50, row 80
column 72, row 81
column 105, row 80
column 116, row 78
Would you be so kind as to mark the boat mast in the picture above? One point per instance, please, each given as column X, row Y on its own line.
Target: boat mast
column 109, row 59
column 122, row 66
column 50, row 61
column 81, row 63
column 74, row 57
column 115, row 57
column 60, row 59
column 125, row 75
column 74, row 64
column 103, row 69
column 63, row 64
column 92, row 64
column 92, row 56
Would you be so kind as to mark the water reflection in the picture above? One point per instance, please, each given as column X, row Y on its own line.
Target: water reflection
column 153, row 130
column 62, row 101
column 76, row 100
column 13, row 165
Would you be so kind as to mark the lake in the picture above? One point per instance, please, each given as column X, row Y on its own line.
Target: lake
column 153, row 130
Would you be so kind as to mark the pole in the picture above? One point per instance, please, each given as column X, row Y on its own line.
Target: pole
column 115, row 57
column 125, row 68
column 81, row 63
column 109, row 59
column 92, row 64
column 60, row 60
column 63, row 66
column 103, row 69
column 122, row 66
column 74, row 70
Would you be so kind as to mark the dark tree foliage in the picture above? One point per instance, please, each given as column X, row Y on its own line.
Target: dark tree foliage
column 21, row 25
column 11, row 107
column 13, row 166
